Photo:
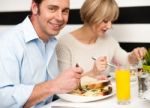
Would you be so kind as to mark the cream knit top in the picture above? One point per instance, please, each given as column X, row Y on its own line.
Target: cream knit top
column 71, row 51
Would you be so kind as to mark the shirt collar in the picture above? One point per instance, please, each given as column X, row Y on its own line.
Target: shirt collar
column 28, row 29
column 30, row 33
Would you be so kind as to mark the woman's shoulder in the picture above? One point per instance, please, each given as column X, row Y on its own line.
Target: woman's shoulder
column 66, row 39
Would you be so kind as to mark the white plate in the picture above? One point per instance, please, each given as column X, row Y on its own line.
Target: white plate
column 76, row 98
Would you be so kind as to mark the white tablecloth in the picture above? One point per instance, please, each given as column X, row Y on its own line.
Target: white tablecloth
column 110, row 102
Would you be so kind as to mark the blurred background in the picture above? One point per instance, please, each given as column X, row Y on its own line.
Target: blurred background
column 132, row 29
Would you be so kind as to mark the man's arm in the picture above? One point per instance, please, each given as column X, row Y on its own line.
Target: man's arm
column 40, row 92
column 63, row 83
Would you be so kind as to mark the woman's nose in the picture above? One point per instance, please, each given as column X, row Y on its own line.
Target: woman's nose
column 109, row 24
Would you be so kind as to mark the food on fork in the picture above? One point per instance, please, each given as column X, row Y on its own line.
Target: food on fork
column 93, row 87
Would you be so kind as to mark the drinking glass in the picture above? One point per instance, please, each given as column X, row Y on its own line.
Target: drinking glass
column 142, row 83
column 123, row 84
column 133, row 73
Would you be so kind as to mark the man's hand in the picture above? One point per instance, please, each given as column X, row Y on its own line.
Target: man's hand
column 68, row 80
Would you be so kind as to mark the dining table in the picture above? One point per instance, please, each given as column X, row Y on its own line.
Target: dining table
column 110, row 102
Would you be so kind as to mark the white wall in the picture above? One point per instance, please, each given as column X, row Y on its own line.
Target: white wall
column 14, row 5
column 122, row 3
column 17, row 5
column 122, row 32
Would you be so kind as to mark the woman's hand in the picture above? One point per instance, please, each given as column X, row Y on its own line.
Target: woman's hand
column 101, row 77
column 99, row 66
column 137, row 54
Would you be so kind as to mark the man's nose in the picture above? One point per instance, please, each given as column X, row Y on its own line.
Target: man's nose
column 59, row 16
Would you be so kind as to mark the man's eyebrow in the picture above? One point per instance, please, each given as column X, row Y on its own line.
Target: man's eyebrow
column 58, row 6
column 66, row 8
column 53, row 6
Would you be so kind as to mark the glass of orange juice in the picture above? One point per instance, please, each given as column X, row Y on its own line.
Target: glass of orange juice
column 122, row 75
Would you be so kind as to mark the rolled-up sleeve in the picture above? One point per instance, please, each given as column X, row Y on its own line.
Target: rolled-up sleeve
column 11, row 94
column 22, row 93
column 14, row 96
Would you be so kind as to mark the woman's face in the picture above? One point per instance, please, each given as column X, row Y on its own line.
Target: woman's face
column 101, row 28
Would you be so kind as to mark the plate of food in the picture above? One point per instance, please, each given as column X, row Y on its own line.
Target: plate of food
column 91, row 90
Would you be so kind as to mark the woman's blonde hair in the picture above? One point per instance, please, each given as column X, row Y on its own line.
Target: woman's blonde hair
column 97, row 11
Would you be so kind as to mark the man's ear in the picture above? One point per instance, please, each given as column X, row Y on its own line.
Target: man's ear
column 34, row 8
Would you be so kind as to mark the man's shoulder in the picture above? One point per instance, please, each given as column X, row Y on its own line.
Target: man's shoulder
column 11, row 33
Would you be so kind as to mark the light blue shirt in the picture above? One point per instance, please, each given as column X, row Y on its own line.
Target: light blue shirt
column 25, row 60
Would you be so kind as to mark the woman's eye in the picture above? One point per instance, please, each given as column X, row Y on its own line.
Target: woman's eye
column 105, row 21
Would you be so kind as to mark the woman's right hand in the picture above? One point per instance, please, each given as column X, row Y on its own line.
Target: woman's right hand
column 100, row 65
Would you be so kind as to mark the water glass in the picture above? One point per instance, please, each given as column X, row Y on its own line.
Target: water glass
column 133, row 73
column 143, row 81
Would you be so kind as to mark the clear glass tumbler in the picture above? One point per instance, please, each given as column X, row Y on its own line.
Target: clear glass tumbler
column 123, row 85
column 143, row 79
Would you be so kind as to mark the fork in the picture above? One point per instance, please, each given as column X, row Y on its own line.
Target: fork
column 80, row 88
column 109, row 64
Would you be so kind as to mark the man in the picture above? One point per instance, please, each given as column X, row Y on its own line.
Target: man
column 28, row 64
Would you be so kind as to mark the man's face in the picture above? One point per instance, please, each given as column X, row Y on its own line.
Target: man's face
column 50, row 17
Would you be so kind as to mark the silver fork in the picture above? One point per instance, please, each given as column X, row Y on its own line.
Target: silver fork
column 77, row 65
column 109, row 64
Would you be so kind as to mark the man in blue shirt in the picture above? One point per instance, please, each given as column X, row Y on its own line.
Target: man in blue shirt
column 28, row 63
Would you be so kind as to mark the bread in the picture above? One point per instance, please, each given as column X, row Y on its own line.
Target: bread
column 93, row 87
column 92, row 83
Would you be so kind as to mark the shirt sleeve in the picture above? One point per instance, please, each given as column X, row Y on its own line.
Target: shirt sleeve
column 12, row 94
column 121, row 56
column 64, row 56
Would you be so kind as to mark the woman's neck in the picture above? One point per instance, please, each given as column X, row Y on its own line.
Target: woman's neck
column 85, row 35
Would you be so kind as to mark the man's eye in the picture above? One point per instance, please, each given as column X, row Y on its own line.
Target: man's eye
column 52, row 9
column 66, row 12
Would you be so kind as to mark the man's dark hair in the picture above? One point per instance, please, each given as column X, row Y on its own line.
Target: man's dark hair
column 38, row 1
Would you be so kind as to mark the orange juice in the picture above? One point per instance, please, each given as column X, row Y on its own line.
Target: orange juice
column 123, row 85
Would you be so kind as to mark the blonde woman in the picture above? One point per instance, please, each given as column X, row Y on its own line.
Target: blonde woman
column 91, row 40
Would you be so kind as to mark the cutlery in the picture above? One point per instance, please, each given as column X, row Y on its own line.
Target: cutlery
column 80, row 88
column 140, row 63
column 109, row 64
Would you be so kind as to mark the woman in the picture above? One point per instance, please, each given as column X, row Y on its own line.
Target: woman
column 91, row 40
